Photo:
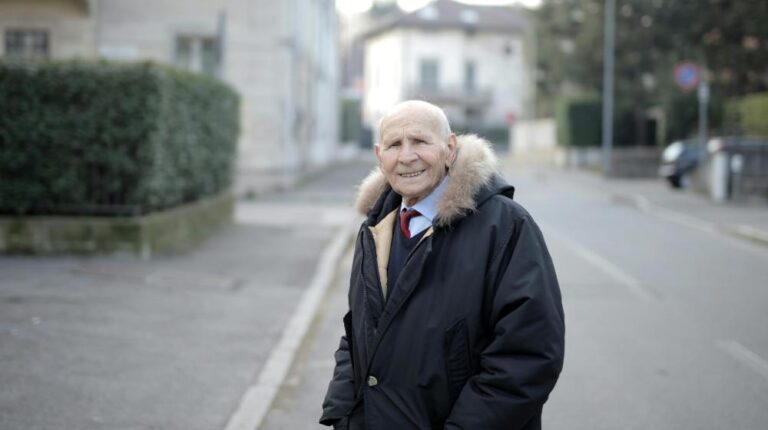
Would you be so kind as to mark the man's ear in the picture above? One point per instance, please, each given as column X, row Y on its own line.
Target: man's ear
column 453, row 146
column 377, row 151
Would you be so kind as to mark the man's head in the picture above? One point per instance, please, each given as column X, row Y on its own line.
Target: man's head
column 415, row 148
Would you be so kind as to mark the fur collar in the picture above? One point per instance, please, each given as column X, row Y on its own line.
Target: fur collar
column 473, row 169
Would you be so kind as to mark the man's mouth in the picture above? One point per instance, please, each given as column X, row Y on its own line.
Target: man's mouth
column 411, row 174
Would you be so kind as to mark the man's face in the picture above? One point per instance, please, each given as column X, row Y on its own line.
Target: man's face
column 412, row 153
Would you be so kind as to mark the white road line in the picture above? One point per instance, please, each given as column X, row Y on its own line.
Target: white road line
column 257, row 400
column 745, row 356
column 646, row 206
column 632, row 284
column 752, row 233
column 736, row 235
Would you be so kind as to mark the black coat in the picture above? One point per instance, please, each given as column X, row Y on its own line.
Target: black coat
column 471, row 336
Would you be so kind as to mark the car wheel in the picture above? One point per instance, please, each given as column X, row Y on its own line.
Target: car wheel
column 674, row 181
column 684, row 180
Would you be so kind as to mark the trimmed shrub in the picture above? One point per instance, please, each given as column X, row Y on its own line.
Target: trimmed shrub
column 112, row 138
column 579, row 121
column 351, row 120
column 731, row 118
column 753, row 114
column 498, row 136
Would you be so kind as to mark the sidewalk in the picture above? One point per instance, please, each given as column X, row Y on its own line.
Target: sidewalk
column 746, row 221
column 172, row 343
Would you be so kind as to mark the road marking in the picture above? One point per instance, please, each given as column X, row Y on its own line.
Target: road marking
column 632, row 284
column 745, row 356
column 736, row 233
column 646, row 206
column 751, row 233
column 258, row 398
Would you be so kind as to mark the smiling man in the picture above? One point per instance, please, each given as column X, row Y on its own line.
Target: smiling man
column 455, row 319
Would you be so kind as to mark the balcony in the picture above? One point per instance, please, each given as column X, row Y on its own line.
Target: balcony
column 452, row 95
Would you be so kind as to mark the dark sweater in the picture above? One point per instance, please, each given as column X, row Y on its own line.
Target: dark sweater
column 398, row 254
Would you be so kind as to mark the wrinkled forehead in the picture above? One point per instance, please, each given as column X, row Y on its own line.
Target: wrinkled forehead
column 412, row 121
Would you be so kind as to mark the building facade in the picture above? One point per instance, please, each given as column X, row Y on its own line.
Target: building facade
column 280, row 56
column 473, row 61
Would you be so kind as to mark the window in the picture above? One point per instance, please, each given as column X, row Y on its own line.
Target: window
column 210, row 56
column 198, row 53
column 429, row 74
column 26, row 44
column 429, row 13
column 470, row 76
column 509, row 49
column 473, row 117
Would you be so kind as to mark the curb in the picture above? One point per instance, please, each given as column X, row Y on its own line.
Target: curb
column 739, row 231
column 747, row 232
column 257, row 399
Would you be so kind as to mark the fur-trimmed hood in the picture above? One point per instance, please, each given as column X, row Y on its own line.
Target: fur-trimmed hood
column 474, row 168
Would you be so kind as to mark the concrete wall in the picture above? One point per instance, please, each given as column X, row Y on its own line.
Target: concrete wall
column 533, row 136
column 146, row 29
column 384, row 66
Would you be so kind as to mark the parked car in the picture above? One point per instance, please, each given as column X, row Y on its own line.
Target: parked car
column 678, row 161
column 680, row 158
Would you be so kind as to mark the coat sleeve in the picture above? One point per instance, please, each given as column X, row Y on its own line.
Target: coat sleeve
column 340, row 396
column 519, row 367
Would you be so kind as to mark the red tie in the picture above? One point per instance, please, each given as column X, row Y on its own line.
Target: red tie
column 405, row 219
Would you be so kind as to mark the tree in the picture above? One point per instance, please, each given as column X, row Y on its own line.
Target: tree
column 728, row 37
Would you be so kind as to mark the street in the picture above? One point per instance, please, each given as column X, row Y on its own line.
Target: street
column 665, row 320
column 178, row 215
column 665, row 313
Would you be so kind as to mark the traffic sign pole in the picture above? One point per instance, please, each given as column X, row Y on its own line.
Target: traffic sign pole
column 703, row 97
column 608, row 53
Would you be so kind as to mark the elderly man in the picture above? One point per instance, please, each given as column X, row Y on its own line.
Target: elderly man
column 455, row 319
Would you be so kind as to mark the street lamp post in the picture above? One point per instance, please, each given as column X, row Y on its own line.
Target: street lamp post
column 608, row 57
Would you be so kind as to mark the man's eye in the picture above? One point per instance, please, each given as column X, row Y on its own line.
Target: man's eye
column 394, row 144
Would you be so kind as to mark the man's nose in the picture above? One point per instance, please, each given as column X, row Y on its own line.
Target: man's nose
column 407, row 153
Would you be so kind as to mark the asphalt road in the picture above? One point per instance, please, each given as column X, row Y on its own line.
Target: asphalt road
column 666, row 323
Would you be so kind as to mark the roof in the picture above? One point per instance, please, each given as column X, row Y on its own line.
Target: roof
column 448, row 14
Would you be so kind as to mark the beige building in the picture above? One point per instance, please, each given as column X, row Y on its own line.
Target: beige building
column 474, row 61
column 280, row 56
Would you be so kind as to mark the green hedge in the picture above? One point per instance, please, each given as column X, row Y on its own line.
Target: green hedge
column 732, row 116
column 498, row 136
column 351, row 120
column 753, row 114
column 579, row 121
column 112, row 139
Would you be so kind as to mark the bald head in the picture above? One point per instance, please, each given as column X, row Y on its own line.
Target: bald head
column 415, row 149
column 420, row 111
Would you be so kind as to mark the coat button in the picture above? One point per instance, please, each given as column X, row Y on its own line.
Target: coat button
column 372, row 381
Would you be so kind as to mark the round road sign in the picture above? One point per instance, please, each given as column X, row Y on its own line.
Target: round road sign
column 687, row 76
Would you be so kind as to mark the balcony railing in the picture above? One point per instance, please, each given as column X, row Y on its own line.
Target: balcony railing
column 455, row 95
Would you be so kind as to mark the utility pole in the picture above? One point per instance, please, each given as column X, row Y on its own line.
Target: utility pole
column 608, row 57
column 221, row 41
column 703, row 96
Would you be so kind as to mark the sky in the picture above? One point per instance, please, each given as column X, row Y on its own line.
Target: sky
column 351, row 7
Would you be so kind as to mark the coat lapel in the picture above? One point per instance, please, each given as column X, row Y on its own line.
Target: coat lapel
column 407, row 283
column 382, row 237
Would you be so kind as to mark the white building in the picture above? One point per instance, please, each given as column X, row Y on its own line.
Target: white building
column 280, row 56
column 473, row 61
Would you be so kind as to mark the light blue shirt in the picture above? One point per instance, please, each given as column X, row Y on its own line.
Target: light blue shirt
column 427, row 208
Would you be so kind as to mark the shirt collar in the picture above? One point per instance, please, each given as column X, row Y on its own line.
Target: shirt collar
column 428, row 206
